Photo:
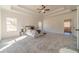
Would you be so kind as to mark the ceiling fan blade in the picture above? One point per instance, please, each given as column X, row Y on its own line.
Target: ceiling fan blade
column 39, row 12
column 47, row 9
column 39, row 9
column 44, row 12
column 43, row 6
column 43, row 9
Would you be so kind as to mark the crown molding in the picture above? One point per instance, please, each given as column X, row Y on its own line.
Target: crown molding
column 55, row 11
column 26, row 8
column 19, row 10
column 59, row 13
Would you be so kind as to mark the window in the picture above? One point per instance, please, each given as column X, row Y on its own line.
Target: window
column 11, row 24
column 67, row 24
column 40, row 25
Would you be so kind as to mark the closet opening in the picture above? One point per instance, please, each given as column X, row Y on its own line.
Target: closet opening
column 67, row 27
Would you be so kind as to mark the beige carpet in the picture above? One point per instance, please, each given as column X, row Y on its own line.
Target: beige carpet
column 49, row 43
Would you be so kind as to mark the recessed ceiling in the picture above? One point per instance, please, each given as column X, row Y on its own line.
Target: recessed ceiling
column 51, row 7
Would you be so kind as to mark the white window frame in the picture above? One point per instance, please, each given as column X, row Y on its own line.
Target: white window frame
column 11, row 24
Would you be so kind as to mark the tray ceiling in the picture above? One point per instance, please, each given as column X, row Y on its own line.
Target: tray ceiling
column 51, row 7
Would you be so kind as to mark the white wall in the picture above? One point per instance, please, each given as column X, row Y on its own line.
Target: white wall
column 75, row 24
column 50, row 23
column 0, row 23
column 55, row 24
column 77, row 27
column 21, row 19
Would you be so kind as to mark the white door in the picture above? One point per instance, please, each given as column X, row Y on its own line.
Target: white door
column 77, row 27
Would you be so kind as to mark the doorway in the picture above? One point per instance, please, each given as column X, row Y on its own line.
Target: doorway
column 67, row 27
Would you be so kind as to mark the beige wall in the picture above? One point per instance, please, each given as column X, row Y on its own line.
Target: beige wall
column 55, row 24
column 21, row 19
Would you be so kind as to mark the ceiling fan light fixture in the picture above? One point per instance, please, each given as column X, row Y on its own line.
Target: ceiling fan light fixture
column 43, row 11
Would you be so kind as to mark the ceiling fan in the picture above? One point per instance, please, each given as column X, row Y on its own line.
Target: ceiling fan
column 43, row 9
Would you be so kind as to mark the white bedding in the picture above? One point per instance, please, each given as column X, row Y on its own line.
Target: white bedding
column 32, row 33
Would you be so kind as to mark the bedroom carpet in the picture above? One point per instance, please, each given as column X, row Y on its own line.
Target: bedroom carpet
column 49, row 43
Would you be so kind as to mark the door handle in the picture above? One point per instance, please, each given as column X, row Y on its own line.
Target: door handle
column 77, row 29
